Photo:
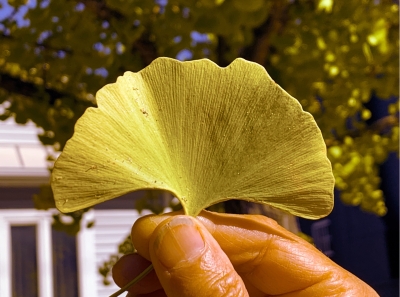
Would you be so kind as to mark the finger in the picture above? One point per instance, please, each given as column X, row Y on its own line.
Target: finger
column 271, row 258
column 216, row 223
column 189, row 262
column 159, row 293
column 241, row 237
column 266, row 255
column 144, row 227
column 276, row 261
column 130, row 266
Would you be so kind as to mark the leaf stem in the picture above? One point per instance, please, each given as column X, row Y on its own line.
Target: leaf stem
column 134, row 281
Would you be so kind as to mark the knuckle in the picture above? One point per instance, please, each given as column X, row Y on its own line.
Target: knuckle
column 226, row 284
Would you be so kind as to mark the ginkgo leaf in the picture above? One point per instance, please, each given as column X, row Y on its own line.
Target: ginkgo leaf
column 204, row 133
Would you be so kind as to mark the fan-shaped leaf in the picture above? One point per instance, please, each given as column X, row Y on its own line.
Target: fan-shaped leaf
column 204, row 133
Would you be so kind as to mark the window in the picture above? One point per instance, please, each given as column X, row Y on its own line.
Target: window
column 35, row 261
column 61, row 265
column 24, row 261
column 65, row 269
column 10, row 221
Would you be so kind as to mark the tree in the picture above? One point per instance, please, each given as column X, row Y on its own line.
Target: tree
column 330, row 54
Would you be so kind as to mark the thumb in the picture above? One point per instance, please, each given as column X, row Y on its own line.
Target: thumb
column 189, row 262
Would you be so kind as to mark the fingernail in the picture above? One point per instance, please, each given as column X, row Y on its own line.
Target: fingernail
column 179, row 240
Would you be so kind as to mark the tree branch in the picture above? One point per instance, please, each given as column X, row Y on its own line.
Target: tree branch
column 259, row 51
column 383, row 124
column 28, row 89
column 146, row 49
column 380, row 126
column 221, row 50
column 37, row 44
column 99, row 8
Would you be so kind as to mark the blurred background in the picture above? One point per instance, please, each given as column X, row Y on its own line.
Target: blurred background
column 339, row 58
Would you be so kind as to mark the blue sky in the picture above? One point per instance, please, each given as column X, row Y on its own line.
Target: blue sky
column 6, row 10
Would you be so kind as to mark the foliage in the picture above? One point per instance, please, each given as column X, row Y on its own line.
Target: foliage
column 330, row 54
column 124, row 248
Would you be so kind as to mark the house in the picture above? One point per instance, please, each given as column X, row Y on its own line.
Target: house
column 36, row 259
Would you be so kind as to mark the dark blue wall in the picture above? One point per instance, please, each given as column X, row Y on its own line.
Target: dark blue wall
column 363, row 243
column 360, row 245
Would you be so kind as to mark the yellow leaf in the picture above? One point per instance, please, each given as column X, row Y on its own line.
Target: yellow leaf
column 379, row 35
column 325, row 5
column 204, row 133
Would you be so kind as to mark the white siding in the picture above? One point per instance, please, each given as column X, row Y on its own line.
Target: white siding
column 110, row 229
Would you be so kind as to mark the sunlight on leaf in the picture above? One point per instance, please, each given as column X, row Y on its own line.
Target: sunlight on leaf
column 325, row 5
column 204, row 133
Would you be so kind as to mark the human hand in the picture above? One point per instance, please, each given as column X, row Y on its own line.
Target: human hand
column 229, row 255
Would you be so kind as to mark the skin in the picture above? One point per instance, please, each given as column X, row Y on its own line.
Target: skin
column 225, row 255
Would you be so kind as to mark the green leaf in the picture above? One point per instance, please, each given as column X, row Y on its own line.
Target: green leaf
column 204, row 133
